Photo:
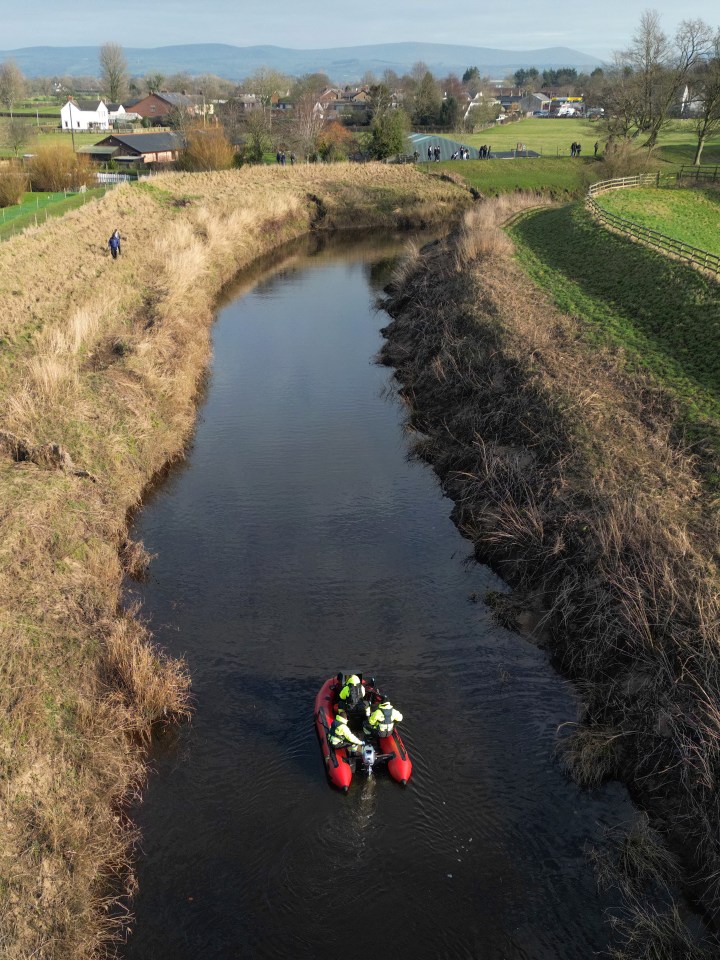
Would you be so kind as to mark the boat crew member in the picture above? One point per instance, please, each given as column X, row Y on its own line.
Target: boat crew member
column 382, row 720
column 340, row 734
column 352, row 692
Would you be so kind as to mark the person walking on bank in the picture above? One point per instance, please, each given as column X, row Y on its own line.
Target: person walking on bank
column 597, row 144
column 114, row 244
column 340, row 734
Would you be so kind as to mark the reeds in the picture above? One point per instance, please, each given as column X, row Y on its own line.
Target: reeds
column 568, row 478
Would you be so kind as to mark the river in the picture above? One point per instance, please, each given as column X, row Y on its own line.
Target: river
column 296, row 540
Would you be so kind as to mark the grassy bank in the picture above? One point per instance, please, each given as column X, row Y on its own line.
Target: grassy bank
column 692, row 216
column 562, row 178
column 661, row 314
column 38, row 207
column 100, row 363
column 569, row 475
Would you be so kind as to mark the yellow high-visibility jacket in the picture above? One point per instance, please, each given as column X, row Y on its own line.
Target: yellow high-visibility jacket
column 351, row 682
column 340, row 734
column 383, row 719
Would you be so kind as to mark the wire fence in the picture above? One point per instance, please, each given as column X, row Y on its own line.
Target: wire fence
column 701, row 259
column 38, row 209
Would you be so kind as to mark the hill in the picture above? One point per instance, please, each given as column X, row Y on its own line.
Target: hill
column 340, row 63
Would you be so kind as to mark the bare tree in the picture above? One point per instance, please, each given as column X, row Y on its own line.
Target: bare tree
column 649, row 76
column 154, row 81
column 708, row 119
column 266, row 84
column 15, row 134
column 113, row 71
column 256, row 130
column 12, row 84
column 306, row 124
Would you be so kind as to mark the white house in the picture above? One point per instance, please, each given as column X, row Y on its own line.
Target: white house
column 84, row 115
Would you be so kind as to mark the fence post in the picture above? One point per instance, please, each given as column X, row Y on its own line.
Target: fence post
column 657, row 179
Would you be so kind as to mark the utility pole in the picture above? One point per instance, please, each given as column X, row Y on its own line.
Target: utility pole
column 72, row 131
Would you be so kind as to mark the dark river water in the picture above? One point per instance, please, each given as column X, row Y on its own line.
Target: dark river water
column 296, row 540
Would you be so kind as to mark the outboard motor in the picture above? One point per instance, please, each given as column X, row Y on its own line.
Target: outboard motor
column 368, row 758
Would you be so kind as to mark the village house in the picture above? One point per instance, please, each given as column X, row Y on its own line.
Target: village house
column 134, row 148
column 84, row 115
column 157, row 106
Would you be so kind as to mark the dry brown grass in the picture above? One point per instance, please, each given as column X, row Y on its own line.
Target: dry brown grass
column 13, row 184
column 56, row 167
column 568, row 477
column 100, row 366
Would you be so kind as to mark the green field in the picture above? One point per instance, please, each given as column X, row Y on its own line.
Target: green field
column 552, row 137
column 692, row 216
column 663, row 314
column 36, row 140
column 560, row 177
column 38, row 207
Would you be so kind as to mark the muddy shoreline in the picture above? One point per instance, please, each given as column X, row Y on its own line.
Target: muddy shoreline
column 566, row 478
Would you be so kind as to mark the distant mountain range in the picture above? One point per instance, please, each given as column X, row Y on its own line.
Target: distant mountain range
column 342, row 64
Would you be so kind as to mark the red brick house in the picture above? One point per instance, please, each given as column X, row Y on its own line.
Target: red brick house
column 158, row 105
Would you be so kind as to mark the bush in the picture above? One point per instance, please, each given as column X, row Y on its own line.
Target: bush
column 57, row 167
column 624, row 158
column 13, row 184
column 207, row 149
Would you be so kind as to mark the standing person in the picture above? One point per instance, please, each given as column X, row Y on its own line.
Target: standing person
column 597, row 144
column 430, row 152
column 578, row 148
column 114, row 244
column 293, row 158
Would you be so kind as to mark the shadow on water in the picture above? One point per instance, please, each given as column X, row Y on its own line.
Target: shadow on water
column 297, row 540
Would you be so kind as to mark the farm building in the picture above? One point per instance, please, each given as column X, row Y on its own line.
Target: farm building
column 147, row 148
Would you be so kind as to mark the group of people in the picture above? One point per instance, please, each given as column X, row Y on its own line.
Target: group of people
column 281, row 157
column 462, row 154
column 575, row 149
column 484, row 151
column 434, row 153
column 379, row 715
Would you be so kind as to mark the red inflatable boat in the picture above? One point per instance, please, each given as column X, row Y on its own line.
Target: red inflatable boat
column 340, row 767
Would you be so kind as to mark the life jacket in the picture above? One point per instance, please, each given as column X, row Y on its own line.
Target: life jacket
column 353, row 691
column 336, row 739
column 385, row 726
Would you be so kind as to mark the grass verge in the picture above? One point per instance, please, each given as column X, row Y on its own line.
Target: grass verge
column 100, row 365
column 566, row 474
column 38, row 207
column 562, row 178
column 692, row 216
column 662, row 315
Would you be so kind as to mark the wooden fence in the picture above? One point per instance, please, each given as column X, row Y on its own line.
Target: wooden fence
column 702, row 174
column 676, row 248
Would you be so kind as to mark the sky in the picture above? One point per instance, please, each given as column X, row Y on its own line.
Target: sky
column 597, row 28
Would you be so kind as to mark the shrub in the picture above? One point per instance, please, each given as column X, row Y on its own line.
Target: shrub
column 624, row 158
column 13, row 184
column 207, row 149
column 57, row 167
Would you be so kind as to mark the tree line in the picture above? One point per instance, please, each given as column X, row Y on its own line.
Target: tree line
column 656, row 78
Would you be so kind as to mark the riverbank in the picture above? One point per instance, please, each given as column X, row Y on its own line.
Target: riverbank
column 571, row 478
column 100, row 366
